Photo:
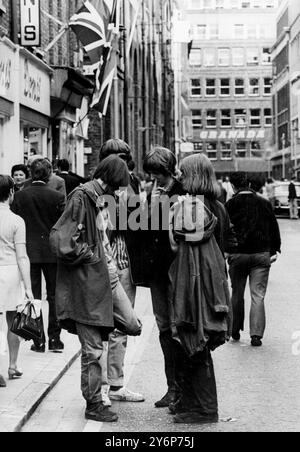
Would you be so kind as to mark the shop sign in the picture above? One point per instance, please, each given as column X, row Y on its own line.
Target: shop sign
column 258, row 134
column 35, row 87
column 30, row 23
column 6, row 72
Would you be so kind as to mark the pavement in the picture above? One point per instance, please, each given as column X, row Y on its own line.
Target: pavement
column 258, row 389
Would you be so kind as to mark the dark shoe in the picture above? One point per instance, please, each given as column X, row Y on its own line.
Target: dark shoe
column 256, row 341
column 56, row 346
column 167, row 400
column 2, row 382
column 176, row 408
column 101, row 414
column 38, row 348
column 236, row 337
column 195, row 418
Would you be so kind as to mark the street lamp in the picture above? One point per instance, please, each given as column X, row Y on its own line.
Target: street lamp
column 283, row 141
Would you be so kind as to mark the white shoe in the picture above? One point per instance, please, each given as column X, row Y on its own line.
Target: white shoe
column 105, row 396
column 124, row 395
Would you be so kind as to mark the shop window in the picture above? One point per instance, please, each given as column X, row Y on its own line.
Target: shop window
column 225, row 118
column 33, row 141
column 239, row 87
column 195, row 58
column 268, row 117
column 241, row 149
column 195, row 87
column 252, row 57
column 210, row 87
column 211, row 118
column 226, row 153
column 223, row 57
column 254, row 87
column 212, row 153
column 225, row 87
column 255, row 120
column 240, row 118
column 238, row 56
column 267, row 86
column 197, row 119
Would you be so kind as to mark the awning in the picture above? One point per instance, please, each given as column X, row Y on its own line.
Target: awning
column 6, row 107
column 33, row 118
column 70, row 86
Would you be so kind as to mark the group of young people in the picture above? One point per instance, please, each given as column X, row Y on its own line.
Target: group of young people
column 182, row 260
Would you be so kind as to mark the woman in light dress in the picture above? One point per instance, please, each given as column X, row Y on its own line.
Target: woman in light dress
column 14, row 268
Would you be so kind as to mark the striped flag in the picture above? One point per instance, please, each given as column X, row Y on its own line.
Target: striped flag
column 91, row 27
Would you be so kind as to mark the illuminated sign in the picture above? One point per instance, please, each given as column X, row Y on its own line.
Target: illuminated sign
column 30, row 23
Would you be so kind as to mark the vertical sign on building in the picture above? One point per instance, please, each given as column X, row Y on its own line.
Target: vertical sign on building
column 30, row 23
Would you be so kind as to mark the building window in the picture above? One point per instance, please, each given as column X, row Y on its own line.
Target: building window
column 214, row 31
column 252, row 57
column 241, row 149
column 267, row 86
column 210, row 87
column 239, row 87
column 255, row 149
column 238, row 56
column 211, row 118
column 254, row 87
column 266, row 56
column 225, row 87
column 212, row 151
column 268, row 117
column 240, row 118
column 226, row 153
column 195, row 57
column 226, row 118
column 223, row 57
column 209, row 57
column 198, row 147
column 201, row 31
column 239, row 31
column 255, row 120
column 197, row 119
column 195, row 87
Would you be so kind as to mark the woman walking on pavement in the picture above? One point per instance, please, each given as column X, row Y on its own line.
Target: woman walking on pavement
column 200, row 234
column 14, row 268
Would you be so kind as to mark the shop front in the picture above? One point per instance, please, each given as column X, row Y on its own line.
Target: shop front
column 35, row 87
column 8, row 105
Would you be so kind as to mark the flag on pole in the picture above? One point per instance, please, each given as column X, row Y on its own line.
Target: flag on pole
column 90, row 27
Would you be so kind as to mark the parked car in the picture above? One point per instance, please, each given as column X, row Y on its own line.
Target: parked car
column 282, row 205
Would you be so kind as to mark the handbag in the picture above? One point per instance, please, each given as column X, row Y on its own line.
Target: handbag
column 28, row 325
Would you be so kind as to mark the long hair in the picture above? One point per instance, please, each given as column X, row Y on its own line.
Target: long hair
column 113, row 171
column 115, row 146
column 198, row 177
column 160, row 161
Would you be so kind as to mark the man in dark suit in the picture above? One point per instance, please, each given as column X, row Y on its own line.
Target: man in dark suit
column 72, row 181
column 41, row 207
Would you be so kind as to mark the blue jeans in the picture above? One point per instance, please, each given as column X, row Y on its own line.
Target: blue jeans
column 256, row 267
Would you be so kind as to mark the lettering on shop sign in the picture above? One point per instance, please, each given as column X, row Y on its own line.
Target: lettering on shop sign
column 33, row 85
column 5, row 74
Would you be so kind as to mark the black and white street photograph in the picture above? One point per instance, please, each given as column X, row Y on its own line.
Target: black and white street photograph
column 149, row 219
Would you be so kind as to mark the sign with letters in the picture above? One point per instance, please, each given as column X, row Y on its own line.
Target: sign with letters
column 30, row 23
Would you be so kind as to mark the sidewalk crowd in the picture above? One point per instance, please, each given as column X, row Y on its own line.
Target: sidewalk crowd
column 65, row 229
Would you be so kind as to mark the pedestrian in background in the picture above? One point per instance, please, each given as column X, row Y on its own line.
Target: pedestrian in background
column 199, row 294
column 259, row 242
column 127, row 248
column 294, row 215
column 14, row 269
column 270, row 189
column 72, row 181
column 20, row 174
column 40, row 207
column 160, row 164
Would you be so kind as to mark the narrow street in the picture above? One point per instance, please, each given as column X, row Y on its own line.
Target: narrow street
column 258, row 388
